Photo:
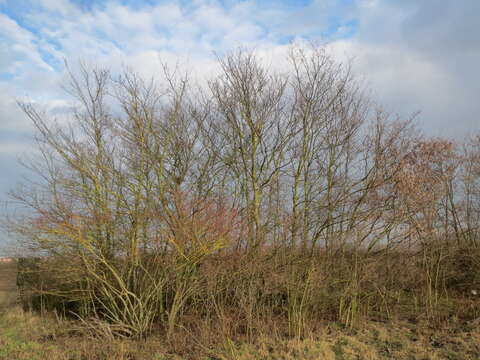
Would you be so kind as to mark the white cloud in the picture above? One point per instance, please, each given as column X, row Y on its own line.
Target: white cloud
column 401, row 65
column 17, row 47
column 115, row 35
column 420, row 56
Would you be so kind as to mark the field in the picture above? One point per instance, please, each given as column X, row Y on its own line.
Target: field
column 24, row 335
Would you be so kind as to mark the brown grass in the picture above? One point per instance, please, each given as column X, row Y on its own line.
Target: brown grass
column 8, row 288
column 26, row 335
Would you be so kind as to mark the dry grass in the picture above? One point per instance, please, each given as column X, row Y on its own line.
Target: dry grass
column 29, row 336
column 25, row 335
column 8, row 273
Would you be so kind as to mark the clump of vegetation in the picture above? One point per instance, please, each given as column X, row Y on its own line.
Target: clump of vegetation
column 265, row 203
column 26, row 335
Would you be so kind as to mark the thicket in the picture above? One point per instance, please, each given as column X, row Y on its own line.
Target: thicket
column 263, row 202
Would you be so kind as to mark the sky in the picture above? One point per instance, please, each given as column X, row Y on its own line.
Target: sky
column 415, row 55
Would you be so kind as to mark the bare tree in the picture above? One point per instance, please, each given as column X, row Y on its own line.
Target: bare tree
column 265, row 195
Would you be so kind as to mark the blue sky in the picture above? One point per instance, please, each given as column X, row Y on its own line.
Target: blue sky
column 414, row 55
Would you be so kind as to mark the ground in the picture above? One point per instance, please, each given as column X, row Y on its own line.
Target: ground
column 24, row 335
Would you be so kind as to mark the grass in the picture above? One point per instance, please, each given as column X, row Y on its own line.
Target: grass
column 29, row 336
column 25, row 335
column 8, row 273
